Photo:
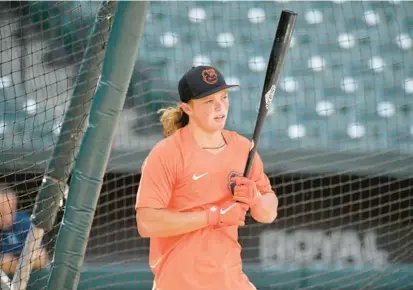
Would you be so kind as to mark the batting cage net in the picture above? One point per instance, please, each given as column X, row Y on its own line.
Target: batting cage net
column 50, row 56
column 336, row 145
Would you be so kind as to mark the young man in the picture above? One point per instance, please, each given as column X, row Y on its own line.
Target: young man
column 185, row 203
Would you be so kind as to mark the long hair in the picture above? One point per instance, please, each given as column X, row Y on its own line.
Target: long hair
column 172, row 119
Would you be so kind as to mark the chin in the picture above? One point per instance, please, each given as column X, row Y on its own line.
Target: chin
column 213, row 129
column 5, row 227
column 214, row 126
column 218, row 128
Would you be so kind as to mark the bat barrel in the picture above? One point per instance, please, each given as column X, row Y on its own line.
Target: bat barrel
column 280, row 47
column 277, row 57
column 286, row 24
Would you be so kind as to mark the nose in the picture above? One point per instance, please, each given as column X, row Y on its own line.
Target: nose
column 218, row 105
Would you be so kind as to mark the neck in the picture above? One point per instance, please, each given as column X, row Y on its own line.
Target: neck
column 205, row 138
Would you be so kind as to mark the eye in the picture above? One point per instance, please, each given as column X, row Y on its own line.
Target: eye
column 225, row 97
column 208, row 102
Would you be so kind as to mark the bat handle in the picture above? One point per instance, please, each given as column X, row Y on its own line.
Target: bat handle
column 248, row 166
column 247, row 169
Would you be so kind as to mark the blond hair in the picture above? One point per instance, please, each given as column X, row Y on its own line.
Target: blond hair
column 172, row 119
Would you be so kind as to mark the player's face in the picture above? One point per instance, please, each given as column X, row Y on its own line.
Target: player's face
column 210, row 113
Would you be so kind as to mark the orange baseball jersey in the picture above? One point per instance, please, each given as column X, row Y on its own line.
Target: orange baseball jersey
column 179, row 175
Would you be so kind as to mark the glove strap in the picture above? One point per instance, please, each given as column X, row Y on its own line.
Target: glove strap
column 213, row 216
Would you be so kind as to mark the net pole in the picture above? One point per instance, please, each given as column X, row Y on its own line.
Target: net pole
column 54, row 184
column 94, row 152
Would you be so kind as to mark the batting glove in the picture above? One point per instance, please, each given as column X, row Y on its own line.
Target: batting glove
column 229, row 213
column 245, row 191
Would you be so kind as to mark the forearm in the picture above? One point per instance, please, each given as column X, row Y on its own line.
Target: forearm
column 166, row 223
column 265, row 210
column 10, row 262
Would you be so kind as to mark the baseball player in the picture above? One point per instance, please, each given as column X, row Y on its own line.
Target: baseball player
column 192, row 197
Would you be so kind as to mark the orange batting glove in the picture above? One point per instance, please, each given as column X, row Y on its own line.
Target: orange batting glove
column 245, row 191
column 230, row 213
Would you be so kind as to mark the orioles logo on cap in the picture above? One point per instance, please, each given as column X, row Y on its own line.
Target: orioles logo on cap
column 209, row 76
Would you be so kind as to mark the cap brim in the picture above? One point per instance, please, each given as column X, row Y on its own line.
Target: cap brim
column 214, row 90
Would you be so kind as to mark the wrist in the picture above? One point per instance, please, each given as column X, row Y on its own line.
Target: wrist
column 213, row 216
column 257, row 198
column 255, row 195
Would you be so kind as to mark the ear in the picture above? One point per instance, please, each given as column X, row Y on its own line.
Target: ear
column 186, row 108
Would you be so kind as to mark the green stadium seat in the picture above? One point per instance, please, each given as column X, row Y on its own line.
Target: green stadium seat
column 162, row 61
column 68, row 22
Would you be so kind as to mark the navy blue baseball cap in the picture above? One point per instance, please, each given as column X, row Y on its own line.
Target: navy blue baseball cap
column 201, row 81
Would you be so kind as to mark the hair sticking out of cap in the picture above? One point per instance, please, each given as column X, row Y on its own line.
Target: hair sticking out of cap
column 172, row 119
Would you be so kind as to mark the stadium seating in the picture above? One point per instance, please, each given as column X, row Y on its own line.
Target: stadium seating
column 345, row 80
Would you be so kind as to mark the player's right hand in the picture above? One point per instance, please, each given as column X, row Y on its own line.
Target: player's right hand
column 230, row 213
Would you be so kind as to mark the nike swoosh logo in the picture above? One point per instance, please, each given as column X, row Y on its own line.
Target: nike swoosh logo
column 223, row 211
column 195, row 177
column 156, row 264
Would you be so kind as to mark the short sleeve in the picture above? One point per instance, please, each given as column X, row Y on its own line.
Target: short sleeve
column 258, row 175
column 157, row 179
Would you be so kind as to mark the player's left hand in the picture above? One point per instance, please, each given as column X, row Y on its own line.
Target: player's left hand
column 245, row 191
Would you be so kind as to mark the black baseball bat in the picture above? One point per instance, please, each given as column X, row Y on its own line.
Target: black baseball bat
column 278, row 55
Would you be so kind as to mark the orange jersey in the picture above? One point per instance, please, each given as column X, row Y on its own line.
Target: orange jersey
column 179, row 175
